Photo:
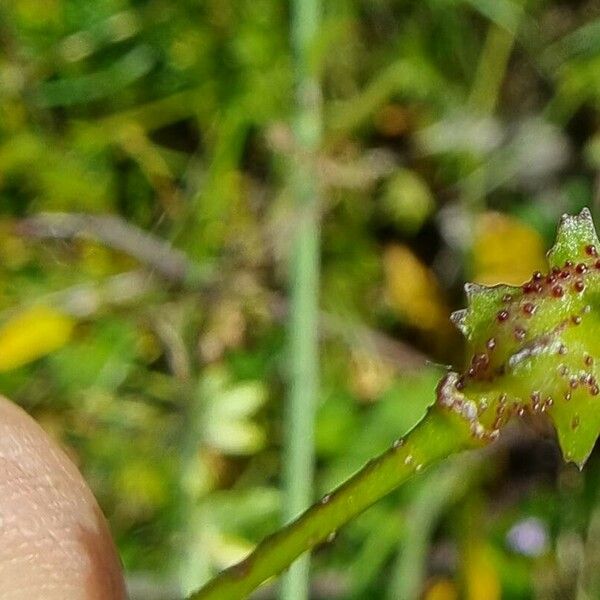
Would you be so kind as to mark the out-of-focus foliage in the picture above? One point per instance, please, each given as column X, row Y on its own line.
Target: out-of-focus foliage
column 496, row 261
column 456, row 132
column 36, row 332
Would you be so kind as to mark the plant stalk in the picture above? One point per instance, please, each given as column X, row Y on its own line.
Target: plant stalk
column 438, row 435
column 298, row 467
column 443, row 486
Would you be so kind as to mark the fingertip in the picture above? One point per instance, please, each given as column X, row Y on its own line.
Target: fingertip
column 54, row 540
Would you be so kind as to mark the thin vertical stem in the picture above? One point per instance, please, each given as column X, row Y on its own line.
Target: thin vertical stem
column 482, row 103
column 191, row 558
column 483, row 100
column 304, row 281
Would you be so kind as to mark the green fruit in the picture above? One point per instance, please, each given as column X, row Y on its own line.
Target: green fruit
column 536, row 348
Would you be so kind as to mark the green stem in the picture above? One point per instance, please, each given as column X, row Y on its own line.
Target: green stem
column 438, row 435
column 444, row 486
column 485, row 93
column 491, row 70
column 193, row 565
column 304, row 277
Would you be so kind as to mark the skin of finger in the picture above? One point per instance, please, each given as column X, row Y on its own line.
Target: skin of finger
column 54, row 540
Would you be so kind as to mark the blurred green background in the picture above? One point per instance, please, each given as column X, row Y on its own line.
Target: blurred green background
column 146, row 182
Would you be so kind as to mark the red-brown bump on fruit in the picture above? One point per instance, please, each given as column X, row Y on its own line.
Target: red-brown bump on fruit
column 581, row 268
column 527, row 288
column 576, row 319
column 479, row 363
column 519, row 334
column 481, row 360
column 558, row 291
column 579, row 286
column 590, row 250
column 529, row 308
column 502, row 315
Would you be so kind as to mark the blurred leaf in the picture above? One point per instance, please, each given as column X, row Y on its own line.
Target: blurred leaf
column 413, row 290
column 235, row 437
column 505, row 250
column 228, row 408
column 31, row 334
column 229, row 549
column 87, row 88
column 584, row 41
column 244, row 509
column 100, row 360
column 142, row 486
column 242, row 401
column 443, row 589
column 506, row 13
column 337, row 420
column 412, row 76
column 407, row 200
column 577, row 82
column 482, row 579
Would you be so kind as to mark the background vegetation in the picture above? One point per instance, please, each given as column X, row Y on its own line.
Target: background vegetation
column 148, row 334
